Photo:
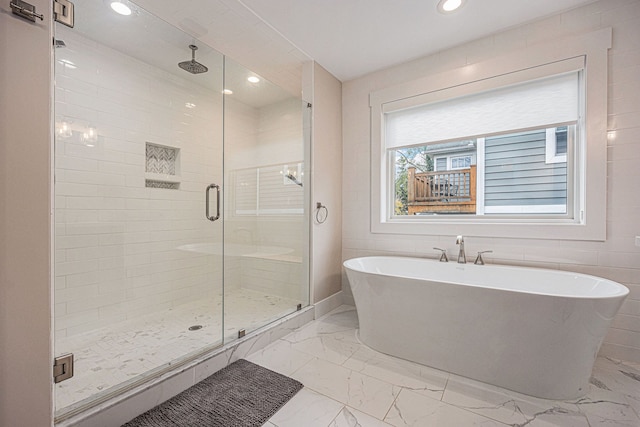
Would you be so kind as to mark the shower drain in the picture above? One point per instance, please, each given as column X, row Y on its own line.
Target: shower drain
column 195, row 327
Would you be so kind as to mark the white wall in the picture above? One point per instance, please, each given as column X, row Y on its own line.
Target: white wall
column 25, row 236
column 327, row 183
column 617, row 258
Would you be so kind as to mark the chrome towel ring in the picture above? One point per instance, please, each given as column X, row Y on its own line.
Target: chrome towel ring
column 322, row 213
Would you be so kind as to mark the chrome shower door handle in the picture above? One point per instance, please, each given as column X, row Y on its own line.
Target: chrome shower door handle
column 210, row 217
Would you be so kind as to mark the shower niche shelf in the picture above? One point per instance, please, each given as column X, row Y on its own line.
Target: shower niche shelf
column 162, row 166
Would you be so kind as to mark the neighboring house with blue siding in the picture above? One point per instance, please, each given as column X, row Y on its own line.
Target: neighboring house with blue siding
column 518, row 173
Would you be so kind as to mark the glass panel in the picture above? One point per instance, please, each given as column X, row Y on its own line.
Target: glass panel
column 138, row 267
column 265, row 268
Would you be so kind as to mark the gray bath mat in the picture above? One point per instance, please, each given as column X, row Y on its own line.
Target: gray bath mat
column 241, row 395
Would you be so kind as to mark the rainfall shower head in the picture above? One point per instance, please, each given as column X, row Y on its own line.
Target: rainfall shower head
column 193, row 66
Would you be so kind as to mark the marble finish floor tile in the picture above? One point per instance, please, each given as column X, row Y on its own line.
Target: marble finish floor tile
column 413, row 409
column 112, row 356
column 618, row 377
column 349, row 417
column 331, row 338
column 608, row 408
column 361, row 392
column 281, row 357
column 307, row 408
column 380, row 390
column 413, row 376
column 507, row 406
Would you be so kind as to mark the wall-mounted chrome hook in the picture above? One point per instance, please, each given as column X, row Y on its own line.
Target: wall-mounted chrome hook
column 25, row 10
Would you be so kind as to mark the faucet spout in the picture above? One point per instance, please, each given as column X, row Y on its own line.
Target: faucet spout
column 462, row 257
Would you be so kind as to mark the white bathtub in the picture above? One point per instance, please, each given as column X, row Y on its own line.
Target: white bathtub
column 529, row 330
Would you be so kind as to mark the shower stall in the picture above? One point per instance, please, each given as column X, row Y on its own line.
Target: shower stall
column 181, row 201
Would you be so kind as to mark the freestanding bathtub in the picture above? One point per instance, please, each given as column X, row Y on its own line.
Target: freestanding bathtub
column 529, row 330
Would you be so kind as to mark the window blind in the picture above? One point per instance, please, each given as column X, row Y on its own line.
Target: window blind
column 527, row 105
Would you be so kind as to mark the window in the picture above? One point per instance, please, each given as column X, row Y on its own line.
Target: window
column 515, row 128
column 496, row 149
column 267, row 190
column 556, row 145
column 460, row 162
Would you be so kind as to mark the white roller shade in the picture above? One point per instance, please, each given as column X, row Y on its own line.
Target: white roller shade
column 528, row 105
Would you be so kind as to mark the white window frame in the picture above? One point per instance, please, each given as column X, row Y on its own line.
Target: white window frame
column 588, row 219
column 450, row 161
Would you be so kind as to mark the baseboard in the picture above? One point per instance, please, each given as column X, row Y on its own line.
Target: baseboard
column 347, row 299
column 328, row 304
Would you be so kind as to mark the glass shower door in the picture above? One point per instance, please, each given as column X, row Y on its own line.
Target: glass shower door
column 266, row 194
column 139, row 142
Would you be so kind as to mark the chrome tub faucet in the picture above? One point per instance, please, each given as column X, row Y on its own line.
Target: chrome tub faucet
column 443, row 254
column 479, row 260
column 462, row 257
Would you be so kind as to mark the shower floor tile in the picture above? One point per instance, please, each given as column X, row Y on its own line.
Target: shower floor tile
column 114, row 355
column 353, row 385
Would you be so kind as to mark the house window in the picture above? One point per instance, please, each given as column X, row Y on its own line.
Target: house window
column 460, row 162
column 506, row 148
column 556, row 144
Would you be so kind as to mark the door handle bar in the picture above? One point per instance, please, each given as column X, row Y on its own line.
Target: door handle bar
column 210, row 217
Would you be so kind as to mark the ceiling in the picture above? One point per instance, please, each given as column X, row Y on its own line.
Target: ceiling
column 148, row 39
column 351, row 38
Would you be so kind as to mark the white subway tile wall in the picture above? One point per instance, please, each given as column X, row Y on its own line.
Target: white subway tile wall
column 118, row 252
column 617, row 258
column 263, row 138
column 120, row 246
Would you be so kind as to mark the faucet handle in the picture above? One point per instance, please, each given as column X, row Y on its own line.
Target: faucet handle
column 479, row 260
column 443, row 255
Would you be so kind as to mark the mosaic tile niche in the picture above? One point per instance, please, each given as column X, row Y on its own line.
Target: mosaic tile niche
column 161, row 166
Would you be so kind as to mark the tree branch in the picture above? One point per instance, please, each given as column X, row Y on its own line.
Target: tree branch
column 420, row 167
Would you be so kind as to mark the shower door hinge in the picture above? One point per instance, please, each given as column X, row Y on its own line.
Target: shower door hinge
column 63, row 12
column 241, row 333
column 62, row 368
column 299, row 307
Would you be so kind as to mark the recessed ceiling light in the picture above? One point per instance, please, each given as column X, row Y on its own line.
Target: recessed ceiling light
column 448, row 6
column 227, row 92
column 190, row 105
column 253, row 79
column 121, row 7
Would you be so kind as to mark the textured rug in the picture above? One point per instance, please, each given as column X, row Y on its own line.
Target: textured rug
column 241, row 395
